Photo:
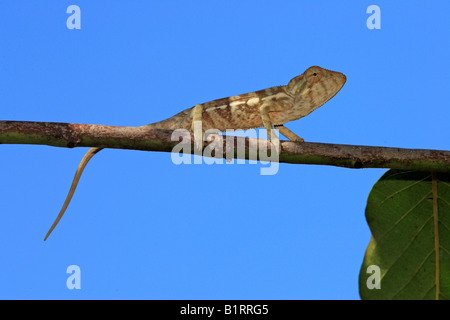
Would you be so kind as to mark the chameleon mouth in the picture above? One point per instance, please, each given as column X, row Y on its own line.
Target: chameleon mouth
column 342, row 77
column 341, row 81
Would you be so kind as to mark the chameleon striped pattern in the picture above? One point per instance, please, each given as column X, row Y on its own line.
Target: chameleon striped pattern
column 303, row 94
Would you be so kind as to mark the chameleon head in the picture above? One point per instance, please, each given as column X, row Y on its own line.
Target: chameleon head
column 315, row 87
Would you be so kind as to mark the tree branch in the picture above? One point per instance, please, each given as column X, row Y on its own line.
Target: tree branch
column 70, row 135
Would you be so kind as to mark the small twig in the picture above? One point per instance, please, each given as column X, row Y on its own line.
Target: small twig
column 70, row 135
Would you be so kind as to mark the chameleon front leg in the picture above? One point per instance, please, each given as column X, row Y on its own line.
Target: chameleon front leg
column 265, row 110
column 196, row 126
column 288, row 133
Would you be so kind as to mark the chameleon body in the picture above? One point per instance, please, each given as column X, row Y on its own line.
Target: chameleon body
column 267, row 108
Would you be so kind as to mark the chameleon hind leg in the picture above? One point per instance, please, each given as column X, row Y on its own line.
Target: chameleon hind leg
column 196, row 126
column 265, row 110
column 288, row 133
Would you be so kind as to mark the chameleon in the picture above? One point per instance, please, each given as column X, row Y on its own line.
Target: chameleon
column 269, row 108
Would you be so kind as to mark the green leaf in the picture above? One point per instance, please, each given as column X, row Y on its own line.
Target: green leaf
column 408, row 213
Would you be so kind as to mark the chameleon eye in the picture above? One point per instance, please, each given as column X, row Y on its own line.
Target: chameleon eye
column 313, row 75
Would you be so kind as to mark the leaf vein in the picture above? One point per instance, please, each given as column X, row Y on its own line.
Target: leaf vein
column 445, row 183
column 414, row 274
column 443, row 200
column 403, row 189
column 406, row 247
column 445, row 250
column 426, row 293
column 444, row 225
column 403, row 216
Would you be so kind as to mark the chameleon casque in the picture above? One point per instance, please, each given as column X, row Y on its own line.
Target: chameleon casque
column 266, row 108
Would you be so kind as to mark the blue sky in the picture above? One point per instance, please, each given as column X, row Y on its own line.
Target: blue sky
column 141, row 227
